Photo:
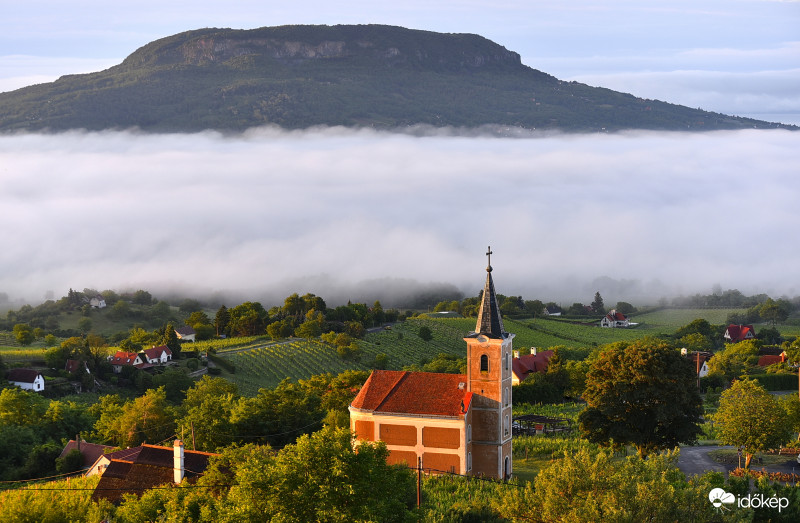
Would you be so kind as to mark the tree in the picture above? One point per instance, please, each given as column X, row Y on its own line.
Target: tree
column 23, row 333
column 425, row 333
column 171, row 340
column 207, row 411
column 587, row 486
column 197, row 318
column 323, row 477
column 142, row 297
column 733, row 361
column 146, row 418
column 221, row 320
column 751, row 418
column 642, row 393
column 597, row 304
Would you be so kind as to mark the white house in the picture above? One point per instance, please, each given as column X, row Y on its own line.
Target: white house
column 156, row 355
column 614, row 319
column 27, row 379
column 98, row 302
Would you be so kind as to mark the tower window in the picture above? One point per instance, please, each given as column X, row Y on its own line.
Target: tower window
column 484, row 363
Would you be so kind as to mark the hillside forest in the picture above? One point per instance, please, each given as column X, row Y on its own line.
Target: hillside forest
column 267, row 389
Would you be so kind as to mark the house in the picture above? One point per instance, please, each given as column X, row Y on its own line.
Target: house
column 185, row 333
column 124, row 359
column 458, row 423
column 90, row 452
column 552, row 310
column 614, row 319
column 102, row 462
column 737, row 333
column 523, row 366
column 27, row 379
column 771, row 359
column 156, row 355
column 701, row 366
column 149, row 467
column 98, row 302
column 73, row 366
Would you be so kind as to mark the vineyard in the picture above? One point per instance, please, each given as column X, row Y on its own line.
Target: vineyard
column 261, row 362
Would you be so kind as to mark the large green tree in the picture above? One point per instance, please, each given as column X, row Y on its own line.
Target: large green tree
column 751, row 418
column 641, row 393
column 323, row 477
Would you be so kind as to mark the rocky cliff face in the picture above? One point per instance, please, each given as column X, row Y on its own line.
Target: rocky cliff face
column 293, row 44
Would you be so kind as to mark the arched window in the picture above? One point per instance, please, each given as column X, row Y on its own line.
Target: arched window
column 469, row 433
column 469, row 461
column 506, row 397
column 484, row 363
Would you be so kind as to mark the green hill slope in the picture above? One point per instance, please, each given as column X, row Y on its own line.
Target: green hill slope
column 301, row 76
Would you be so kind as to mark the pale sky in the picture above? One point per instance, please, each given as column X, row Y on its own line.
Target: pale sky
column 636, row 216
column 733, row 56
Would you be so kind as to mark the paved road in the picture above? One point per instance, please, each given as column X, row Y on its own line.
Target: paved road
column 695, row 460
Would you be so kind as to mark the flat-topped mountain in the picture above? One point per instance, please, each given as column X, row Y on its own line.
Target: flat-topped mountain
column 363, row 75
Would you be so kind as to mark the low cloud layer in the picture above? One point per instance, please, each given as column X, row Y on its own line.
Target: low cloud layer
column 637, row 215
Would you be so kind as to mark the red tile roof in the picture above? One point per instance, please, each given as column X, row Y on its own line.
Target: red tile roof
column 154, row 353
column 613, row 315
column 414, row 393
column 90, row 451
column 530, row 363
column 738, row 333
column 123, row 358
column 768, row 359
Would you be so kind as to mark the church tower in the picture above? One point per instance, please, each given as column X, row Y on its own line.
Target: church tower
column 489, row 351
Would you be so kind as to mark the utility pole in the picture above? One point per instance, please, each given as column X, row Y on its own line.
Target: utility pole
column 419, row 481
column 193, row 445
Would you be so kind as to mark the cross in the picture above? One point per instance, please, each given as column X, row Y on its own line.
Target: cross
column 489, row 254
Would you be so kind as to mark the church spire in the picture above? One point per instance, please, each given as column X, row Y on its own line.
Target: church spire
column 490, row 323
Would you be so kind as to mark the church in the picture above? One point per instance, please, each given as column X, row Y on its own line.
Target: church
column 456, row 423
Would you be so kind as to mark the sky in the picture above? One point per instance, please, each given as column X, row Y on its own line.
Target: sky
column 347, row 213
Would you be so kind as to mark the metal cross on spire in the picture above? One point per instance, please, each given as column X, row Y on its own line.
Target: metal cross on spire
column 489, row 255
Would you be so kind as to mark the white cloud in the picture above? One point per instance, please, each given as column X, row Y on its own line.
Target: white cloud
column 250, row 213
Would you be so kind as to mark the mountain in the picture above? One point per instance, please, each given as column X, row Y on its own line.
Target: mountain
column 365, row 75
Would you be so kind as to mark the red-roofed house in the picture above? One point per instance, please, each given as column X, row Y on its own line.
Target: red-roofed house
column 148, row 467
column 771, row 359
column 458, row 423
column 523, row 366
column 156, row 355
column 614, row 319
column 27, row 379
column 90, row 452
column 124, row 359
column 737, row 333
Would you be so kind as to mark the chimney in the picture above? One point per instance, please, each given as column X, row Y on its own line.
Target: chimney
column 516, row 354
column 177, row 460
column 684, row 352
column 533, row 351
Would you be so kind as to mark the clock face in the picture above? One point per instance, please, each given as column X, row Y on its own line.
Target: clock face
column 482, row 339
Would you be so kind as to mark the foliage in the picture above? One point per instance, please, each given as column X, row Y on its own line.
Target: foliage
column 589, row 486
column 23, row 333
column 65, row 500
column 643, row 393
column 148, row 418
column 733, row 361
column 425, row 333
column 751, row 418
column 322, row 477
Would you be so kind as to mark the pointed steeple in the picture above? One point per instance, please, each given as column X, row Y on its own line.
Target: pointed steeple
column 490, row 323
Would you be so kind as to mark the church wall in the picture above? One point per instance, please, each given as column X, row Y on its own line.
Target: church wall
column 441, row 437
column 364, row 429
column 442, row 462
column 405, row 435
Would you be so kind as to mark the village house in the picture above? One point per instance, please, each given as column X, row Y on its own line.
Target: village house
column 737, row 333
column 458, row 423
column 527, row 364
column 614, row 319
column 98, row 302
column 185, row 333
column 701, row 366
column 145, row 467
column 156, row 355
column 90, row 452
column 124, row 359
column 27, row 379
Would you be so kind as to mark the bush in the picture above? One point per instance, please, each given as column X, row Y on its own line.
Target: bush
column 192, row 364
column 777, row 381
